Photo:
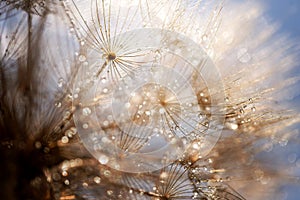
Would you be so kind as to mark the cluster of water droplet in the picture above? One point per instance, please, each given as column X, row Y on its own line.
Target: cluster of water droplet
column 149, row 102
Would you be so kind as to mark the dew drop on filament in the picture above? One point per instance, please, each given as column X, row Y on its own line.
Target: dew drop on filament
column 86, row 111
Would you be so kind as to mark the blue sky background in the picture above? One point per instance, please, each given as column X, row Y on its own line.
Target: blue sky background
column 287, row 14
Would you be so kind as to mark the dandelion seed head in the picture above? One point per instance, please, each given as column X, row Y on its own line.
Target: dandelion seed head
column 150, row 100
column 150, row 85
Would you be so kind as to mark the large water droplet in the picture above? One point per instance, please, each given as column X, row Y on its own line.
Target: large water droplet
column 103, row 159
column 243, row 55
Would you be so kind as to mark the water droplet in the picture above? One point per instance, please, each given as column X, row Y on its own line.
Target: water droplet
column 97, row 179
column 201, row 116
column 163, row 175
column 86, row 111
column 64, row 139
column 67, row 182
column 103, row 79
column 232, row 125
column 147, row 112
column 243, row 55
column 77, row 90
column 81, row 58
column 157, row 54
column 38, row 144
column 253, row 109
column 70, row 132
column 58, row 104
column 283, row 142
column 196, row 146
column 161, row 110
column 105, row 90
column 105, row 123
column 107, row 173
column 64, row 173
column 268, row 147
column 195, row 195
column 105, row 140
column 206, row 124
column 292, row 158
column 60, row 82
column 85, row 184
column 103, row 159
column 85, row 126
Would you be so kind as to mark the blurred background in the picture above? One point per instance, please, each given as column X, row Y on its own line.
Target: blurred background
column 286, row 14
